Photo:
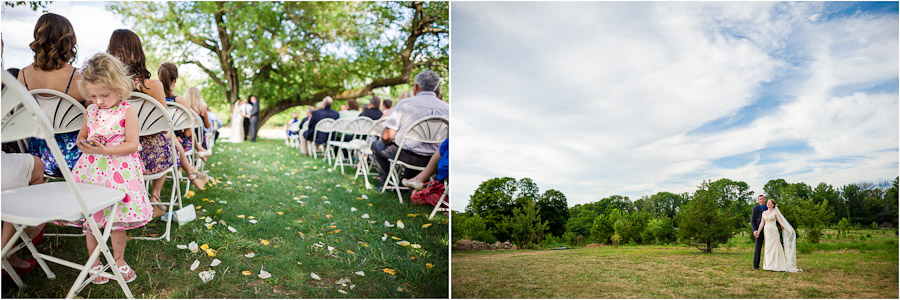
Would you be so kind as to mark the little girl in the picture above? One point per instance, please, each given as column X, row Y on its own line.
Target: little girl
column 109, row 141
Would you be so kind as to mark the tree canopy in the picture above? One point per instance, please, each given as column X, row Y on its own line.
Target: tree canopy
column 296, row 53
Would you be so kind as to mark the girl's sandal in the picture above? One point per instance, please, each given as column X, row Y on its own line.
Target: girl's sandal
column 99, row 279
column 125, row 270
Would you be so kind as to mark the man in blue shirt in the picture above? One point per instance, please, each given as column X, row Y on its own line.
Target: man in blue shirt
column 755, row 219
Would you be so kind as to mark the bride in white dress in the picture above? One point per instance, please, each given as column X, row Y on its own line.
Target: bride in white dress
column 237, row 123
column 776, row 257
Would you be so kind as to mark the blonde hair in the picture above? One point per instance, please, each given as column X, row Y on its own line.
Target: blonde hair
column 194, row 98
column 105, row 70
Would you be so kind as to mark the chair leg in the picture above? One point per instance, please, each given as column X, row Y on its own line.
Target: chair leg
column 440, row 203
column 31, row 248
column 12, row 273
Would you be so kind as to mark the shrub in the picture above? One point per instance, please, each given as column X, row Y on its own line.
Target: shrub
column 525, row 226
column 875, row 226
column 703, row 225
column 616, row 239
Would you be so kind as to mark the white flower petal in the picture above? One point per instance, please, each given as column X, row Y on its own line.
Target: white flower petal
column 263, row 274
column 195, row 265
column 383, row 238
column 253, row 221
column 193, row 246
column 360, row 273
column 232, row 229
column 314, row 276
column 365, row 216
column 388, row 224
column 207, row 276
column 215, row 262
column 352, row 209
column 250, row 255
column 182, row 246
column 343, row 281
column 342, row 292
column 400, row 224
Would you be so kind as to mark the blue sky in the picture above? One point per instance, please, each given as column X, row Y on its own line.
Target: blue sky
column 634, row 98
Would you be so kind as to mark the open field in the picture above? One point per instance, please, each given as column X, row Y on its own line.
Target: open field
column 265, row 177
column 833, row 269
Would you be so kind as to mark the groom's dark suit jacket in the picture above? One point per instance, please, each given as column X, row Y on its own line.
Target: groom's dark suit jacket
column 756, row 217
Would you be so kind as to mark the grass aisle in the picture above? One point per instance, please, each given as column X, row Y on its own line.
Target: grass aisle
column 307, row 220
column 833, row 269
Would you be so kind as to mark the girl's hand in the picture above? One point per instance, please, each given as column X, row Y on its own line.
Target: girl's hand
column 90, row 147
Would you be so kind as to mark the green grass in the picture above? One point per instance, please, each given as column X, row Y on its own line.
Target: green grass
column 276, row 175
column 835, row 268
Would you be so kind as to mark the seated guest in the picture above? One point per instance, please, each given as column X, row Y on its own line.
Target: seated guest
column 215, row 120
column 295, row 118
column 352, row 111
column 195, row 102
column 424, row 104
column 305, row 121
column 168, row 75
column 325, row 113
column 155, row 149
column 439, row 164
column 386, row 108
column 372, row 111
column 54, row 51
column 21, row 170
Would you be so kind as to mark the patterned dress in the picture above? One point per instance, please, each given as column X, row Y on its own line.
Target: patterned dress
column 107, row 126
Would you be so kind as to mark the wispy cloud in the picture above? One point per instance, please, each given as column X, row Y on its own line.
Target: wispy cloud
column 596, row 99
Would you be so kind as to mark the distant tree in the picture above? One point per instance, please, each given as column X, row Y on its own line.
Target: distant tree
column 555, row 210
column 619, row 202
column 665, row 204
column 602, row 228
column 659, row 230
column 855, row 198
column 474, row 228
column 580, row 221
column 843, row 226
column 34, row 5
column 826, row 192
column 524, row 226
column 493, row 200
column 702, row 223
column 813, row 216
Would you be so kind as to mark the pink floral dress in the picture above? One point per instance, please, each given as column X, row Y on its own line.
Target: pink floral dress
column 107, row 126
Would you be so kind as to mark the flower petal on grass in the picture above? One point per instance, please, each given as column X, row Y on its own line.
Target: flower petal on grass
column 251, row 217
column 365, row 216
column 240, row 216
column 390, row 271
column 264, row 242
column 193, row 247
column 403, row 243
column 363, row 244
column 182, row 246
column 364, row 197
column 250, row 255
column 384, row 237
column 360, row 273
column 395, row 238
column 352, row 209
column 329, row 216
column 400, row 224
column 314, row 276
column 351, row 252
column 280, row 213
column 215, row 262
column 195, row 265
column 232, row 229
column 246, row 273
column 429, row 265
column 263, row 274
column 253, row 221
column 426, row 225
column 388, row 224
column 416, row 246
column 207, row 276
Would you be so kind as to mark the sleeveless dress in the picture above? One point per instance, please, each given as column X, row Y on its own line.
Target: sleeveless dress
column 156, row 155
column 180, row 135
column 125, row 173
column 773, row 254
column 66, row 142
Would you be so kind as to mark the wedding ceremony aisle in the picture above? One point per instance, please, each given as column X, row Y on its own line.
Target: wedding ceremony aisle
column 273, row 224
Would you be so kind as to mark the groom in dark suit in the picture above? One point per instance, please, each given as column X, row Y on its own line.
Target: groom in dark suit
column 254, row 117
column 755, row 219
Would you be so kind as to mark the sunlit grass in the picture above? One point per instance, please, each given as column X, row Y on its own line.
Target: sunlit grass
column 267, row 179
column 834, row 269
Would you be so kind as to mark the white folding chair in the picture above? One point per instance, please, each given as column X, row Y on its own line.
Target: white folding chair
column 65, row 113
column 325, row 126
column 154, row 118
column 304, row 144
column 183, row 119
column 68, row 201
column 199, row 163
column 293, row 141
column 431, row 130
column 355, row 128
column 440, row 205
column 364, row 164
column 336, row 128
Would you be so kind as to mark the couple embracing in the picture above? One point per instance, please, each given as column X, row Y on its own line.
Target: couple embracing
column 764, row 221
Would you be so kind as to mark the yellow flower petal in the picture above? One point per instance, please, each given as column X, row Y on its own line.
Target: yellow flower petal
column 404, row 244
column 189, row 195
column 240, row 216
column 280, row 213
column 329, row 216
column 426, row 225
column 264, row 242
column 411, row 215
column 204, row 246
column 390, row 271
column 299, row 221
column 429, row 265
column 351, row 252
column 416, row 246
column 246, row 273
column 336, row 231
column 210, row 252
column 251, row 217
column 396, row 238
column 325, row 197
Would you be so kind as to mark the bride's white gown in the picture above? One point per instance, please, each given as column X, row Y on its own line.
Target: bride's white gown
column 237, row 124
column 775, row 258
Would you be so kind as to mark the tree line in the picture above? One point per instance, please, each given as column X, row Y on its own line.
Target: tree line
column 504, row 209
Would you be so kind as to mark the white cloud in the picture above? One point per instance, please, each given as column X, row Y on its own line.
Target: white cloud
column 595, row 99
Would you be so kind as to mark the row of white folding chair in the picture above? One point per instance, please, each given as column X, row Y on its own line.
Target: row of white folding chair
column 293, row 141
column 364, row 164
column 68, row 201
column 325, row 126
column 358, row 129
column 431, row 130
column 154, row 118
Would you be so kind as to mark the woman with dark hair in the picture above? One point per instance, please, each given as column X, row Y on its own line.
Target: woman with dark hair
column 54, row 51
column 168, row 74
column 126, row 46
